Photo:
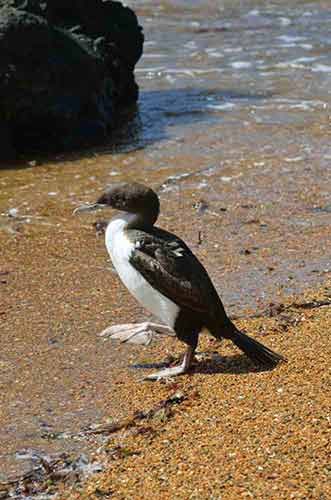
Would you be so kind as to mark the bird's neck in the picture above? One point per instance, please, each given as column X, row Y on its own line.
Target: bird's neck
column 125, row 220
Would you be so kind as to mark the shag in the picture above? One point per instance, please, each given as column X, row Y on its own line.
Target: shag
column 164, row 275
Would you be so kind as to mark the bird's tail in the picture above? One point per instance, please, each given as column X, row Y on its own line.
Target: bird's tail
column 256, row 351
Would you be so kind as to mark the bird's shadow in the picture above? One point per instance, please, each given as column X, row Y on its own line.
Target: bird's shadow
column 211, row 363
column 236, row 365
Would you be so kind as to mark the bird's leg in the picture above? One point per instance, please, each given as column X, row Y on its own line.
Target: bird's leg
column 175, row 370
column 141, row 333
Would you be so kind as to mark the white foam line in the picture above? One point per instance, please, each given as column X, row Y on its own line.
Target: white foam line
column 221, row 107
column 150, row 70
column 322, row 68
column 189, row 72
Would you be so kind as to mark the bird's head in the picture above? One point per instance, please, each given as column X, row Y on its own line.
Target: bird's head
column 129, row 197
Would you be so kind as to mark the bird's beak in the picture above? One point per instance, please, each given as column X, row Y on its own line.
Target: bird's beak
column 87, row 207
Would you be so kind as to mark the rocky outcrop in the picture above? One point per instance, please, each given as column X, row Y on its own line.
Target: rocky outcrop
column 66, row 71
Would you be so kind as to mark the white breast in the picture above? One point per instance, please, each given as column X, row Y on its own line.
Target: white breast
column 120, row 249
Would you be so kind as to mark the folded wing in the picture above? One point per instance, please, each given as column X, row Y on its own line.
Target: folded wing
column 169, row 266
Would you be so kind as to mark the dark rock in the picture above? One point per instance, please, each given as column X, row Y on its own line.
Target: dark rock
column 245, row 251
column 201, row 206
column 6, row 147
column 66, row 71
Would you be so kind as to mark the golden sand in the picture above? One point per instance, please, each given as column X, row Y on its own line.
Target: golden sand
column 239, row 433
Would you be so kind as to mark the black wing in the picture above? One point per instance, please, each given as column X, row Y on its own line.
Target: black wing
column 168, row 265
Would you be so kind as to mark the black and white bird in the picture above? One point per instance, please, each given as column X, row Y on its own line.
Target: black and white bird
column 164, row 275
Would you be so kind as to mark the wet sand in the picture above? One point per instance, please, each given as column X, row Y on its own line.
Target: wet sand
column 55, row 372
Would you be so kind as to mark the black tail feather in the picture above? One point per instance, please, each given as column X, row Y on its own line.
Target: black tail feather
column 257, row 352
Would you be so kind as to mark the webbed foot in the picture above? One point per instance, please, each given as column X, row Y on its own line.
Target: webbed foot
column 141, row 333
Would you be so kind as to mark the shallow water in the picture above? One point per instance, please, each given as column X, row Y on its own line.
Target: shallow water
column 233, row 129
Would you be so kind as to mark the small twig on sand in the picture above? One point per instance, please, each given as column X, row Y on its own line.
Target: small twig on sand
column 175, row 398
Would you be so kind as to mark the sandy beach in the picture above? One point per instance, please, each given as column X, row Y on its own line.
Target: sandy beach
column 238, row 433
column 232, row 130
